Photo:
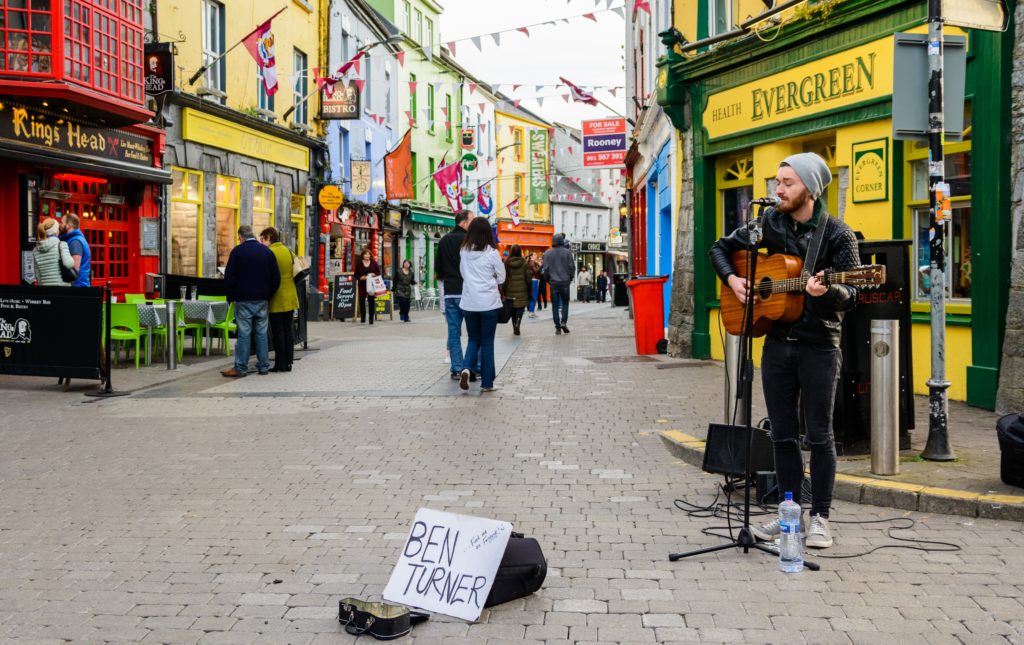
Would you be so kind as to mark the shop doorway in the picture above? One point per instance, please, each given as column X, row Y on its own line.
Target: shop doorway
column 103, row 217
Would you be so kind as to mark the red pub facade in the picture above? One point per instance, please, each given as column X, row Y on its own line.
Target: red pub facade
column 73, row 136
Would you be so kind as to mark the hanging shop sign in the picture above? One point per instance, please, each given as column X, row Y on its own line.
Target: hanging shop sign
column 159, row 68
column 360, row 177
column 340, row 101
column 40, row 128
column 468, row 138
column 870, row 180
column 469, row 162
column 604, row 143
column 538, row 166
column 468, row 197
column 330, row 197
column 841, row 80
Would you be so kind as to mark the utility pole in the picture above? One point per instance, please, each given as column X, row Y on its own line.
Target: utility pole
column 937, row 448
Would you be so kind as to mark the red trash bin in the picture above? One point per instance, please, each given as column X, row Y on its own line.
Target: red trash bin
column 648, row 312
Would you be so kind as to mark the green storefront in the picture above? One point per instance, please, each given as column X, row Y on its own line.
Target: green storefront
column 424, row 230
column 822, row 82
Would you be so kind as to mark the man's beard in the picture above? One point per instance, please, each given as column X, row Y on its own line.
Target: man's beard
column 795, row 204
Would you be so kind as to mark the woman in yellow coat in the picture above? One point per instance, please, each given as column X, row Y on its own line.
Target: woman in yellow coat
column 282, row 304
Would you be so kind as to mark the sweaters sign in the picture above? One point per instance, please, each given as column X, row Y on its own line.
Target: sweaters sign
column 448, row 563
column 538, row 166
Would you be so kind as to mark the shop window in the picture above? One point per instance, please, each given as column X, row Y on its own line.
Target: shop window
column 229, row 190
column 719, row 17
column 186, row 220
column 213, row 45
column 387, row 256
column 417, row 26
column 736, row 190
column 406, row 17
column 26, row 37
column 957, row 245
column 296, row 240
column 262, row 206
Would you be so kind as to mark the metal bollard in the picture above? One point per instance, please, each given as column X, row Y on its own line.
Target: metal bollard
column 732, row 370
column 885, row 402
column 172, row 335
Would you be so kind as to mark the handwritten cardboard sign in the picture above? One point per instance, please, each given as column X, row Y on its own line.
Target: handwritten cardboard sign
column 448, row 563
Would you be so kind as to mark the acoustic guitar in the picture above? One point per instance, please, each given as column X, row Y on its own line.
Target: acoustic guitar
column 780, row 286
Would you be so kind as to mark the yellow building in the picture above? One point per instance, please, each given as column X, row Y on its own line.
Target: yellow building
column 524, row 144
column 239, row 154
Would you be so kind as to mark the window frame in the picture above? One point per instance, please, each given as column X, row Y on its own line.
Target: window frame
column 263, row 187
column 300, row 67
column 236, row 207
column 215, row 30
column 187, row 199
column 430, row 108
column 298, row 218
column 448, row 127
column 412, row 100
column 517, row 140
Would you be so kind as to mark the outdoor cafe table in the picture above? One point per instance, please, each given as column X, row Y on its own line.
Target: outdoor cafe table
column 194, row 311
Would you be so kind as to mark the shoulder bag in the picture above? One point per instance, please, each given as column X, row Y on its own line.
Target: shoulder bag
column 66, row 274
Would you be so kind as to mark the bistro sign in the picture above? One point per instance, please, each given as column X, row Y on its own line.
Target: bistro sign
column 854, row 76
column 22, row 125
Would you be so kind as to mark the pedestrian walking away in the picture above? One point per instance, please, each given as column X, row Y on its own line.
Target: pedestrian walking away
column 558, row 267
column 446, row 268
column 283, row 303
column 404, row 281
column 602, row 286
column 366, row 268
column 800, row 361
column 50, row 254
column 518, row 283
column 250, row 279
column 482, row 273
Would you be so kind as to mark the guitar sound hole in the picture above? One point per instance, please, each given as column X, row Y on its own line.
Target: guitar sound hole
column 764, row 288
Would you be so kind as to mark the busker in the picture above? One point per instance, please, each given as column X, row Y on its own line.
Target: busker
column 558, row 267
column 250, row 278
column 800, row 362
column 283, row 303
column 446, row 268
column 518, row 283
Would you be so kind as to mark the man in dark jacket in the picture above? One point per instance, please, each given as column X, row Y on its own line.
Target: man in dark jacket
column 800, row 362
column 447, row 269
column 559, row 268
column 251, row 278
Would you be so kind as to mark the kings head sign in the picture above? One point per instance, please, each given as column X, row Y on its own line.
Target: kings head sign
column 448, row 563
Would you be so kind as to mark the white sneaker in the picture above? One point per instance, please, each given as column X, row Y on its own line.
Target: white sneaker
column 819, row 535
column 769, row 532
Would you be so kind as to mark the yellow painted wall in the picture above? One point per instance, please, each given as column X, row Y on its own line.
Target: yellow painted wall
column 958, row 357
column 508, row 167
column 873, row 219
column 685, row 18
column 298, row 26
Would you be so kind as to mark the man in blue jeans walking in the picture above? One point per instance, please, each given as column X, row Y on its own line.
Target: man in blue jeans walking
column 251, row 278
column 558, row 267
column 447, row 269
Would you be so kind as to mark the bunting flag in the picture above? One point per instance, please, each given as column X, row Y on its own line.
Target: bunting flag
column 428, row 54
column 515, row 88
column 260, row 44
column 525, row 31
column 355, row 62
column 448, row 179
column 590, row 16
column 484, row 201
column 352, row 62
column 483, row 107
column 620, row 11
column 497, row 38
column 323, row 81
column 641, row 5
column 412, row 121
column 412, row 87
column 578, row 94
column 613, row 91
column 360, row 83
column 398, row 170
column 477, row 43
column 401, row 58
column 444, row 111
column 451, row 47
column 472, row 88
column 568, row 98
column 513, row 210
column 540, row 101
column 515, row 103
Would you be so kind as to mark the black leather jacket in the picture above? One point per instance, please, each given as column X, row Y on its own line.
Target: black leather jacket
column 822, row 318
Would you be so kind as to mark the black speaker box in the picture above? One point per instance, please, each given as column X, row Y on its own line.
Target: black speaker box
column 726, row 450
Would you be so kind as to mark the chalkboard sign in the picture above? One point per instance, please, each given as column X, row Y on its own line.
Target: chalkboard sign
column 150, row 230
column 343, row 296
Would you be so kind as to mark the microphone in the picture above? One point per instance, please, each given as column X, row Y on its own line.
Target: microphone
column 767, row 201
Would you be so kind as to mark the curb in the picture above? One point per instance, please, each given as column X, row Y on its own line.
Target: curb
column 878, row 492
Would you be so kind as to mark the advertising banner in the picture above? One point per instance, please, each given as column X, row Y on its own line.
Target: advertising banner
column 604, row 143
column 36, row 339
column 538, row 166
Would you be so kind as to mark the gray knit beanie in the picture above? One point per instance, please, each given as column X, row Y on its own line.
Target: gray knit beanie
column 811, row 169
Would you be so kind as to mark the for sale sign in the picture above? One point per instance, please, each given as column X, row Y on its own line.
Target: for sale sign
column 604, row 143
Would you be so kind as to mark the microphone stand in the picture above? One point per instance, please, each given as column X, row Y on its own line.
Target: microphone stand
column 744, row 390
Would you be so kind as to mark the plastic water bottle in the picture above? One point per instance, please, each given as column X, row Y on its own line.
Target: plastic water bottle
column 791, row 556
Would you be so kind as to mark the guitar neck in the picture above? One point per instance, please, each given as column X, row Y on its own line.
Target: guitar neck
column 790, row 285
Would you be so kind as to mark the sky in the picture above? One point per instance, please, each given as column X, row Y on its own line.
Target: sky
column 586, row 52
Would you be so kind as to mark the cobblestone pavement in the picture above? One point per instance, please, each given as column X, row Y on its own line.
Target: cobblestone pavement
column 215, row 511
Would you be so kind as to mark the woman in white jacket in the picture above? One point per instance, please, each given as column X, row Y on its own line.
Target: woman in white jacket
column 482, row 271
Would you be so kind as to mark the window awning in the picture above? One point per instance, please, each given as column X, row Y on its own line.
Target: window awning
column 431, row 218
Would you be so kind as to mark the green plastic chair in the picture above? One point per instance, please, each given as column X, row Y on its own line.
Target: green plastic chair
column 134, row 298
column 125, row 327
column 226, row 327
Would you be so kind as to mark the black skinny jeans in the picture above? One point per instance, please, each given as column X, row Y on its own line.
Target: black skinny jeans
column 403, row 307
column 795, row 373
column 367, row 305
column 283, row 337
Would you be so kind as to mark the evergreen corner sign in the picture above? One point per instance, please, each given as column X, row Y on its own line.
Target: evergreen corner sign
column 870, row 171
column 841, row 80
